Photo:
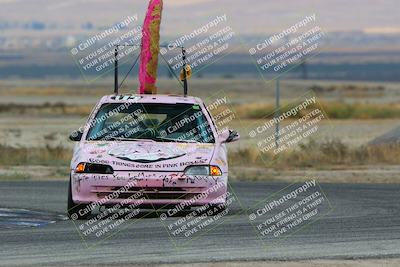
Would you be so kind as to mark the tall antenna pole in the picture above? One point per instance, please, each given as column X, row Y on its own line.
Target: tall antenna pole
column 116, row 85
column 277, row 113
column 185, row 84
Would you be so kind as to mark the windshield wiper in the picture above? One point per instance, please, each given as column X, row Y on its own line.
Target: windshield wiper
column 164, row 139
column 128, row 139
column 152, row 139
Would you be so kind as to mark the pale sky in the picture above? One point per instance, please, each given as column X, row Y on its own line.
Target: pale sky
column 245, row 16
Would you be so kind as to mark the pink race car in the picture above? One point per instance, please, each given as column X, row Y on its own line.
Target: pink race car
column 148, row 151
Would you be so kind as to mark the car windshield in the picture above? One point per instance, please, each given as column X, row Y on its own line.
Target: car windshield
column 151, row 121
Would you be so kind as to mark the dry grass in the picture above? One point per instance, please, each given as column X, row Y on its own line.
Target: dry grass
column 39, row 91
column 319, row 155
column 329, row 161
column 334, row 110
column 351, row 90
column 15, row 176
column 312, row 154
column 47, row 156
column 48, row 90
column 46, row 109
column 241, row 91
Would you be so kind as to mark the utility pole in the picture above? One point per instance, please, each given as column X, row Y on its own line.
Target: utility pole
column 277, row 112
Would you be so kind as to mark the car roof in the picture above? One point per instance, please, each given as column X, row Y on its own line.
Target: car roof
column 167, row 99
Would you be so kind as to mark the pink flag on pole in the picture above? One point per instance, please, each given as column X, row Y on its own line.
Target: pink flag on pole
column 150, row 48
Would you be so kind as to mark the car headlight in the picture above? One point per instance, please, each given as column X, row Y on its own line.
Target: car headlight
column 84, row 167
column 205, row 170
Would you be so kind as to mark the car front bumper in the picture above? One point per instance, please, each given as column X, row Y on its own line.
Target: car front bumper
column 148, row 188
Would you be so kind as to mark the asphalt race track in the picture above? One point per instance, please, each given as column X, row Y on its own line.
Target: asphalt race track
column 364, row 222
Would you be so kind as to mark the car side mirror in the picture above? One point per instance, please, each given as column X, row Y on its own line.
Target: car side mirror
column 76, row 136
column 228, row 136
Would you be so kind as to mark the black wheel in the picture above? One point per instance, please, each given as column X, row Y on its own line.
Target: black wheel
column 73, row 209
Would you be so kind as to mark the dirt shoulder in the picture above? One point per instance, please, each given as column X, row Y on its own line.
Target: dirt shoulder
column 360, row 174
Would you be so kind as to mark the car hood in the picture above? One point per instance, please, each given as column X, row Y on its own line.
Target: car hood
column 154, row 156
